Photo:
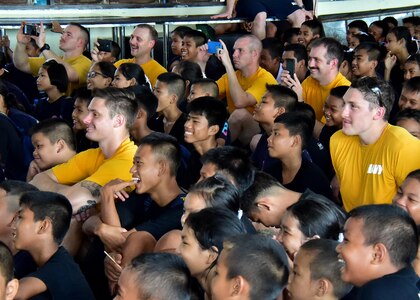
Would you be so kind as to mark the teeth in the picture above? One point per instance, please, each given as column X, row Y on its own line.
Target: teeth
column 135, row 179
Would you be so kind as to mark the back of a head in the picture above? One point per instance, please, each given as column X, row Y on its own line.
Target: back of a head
column 56, row 129
column 326, row 265
column 189, row 70
column 391, row 226
column 161, row 276
column 298, row 124
column 359, row 24
column 273, row 46
column 318, row 217
column 299, row 51
column 365, row 37
column 316, row 27
column 16, row 187
column 412, row 85
column 217, row 191
column 6, row 263
column 339, row 91
column 376, row 92
column 211, row 108
column 107, row 68
column 145, row 98
column 164, row 147
column 50, row 205
column 334, row 48
column 234, row 163
column 261, row 261
column 207, row 85
column 119, row 101
column 283, row 96
column 290, row 34
column 198, row 36
column 372, row 48
column 174, row 83
column 57, row 74
column 132, row 70
column 391, row 20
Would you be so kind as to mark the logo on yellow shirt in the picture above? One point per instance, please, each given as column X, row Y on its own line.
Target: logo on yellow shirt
column 375, row 169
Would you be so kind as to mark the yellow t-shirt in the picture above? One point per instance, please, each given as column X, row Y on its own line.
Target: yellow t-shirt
column 152, row 68
column 91, row 165
column 371, row 174
column 255, row 85
column 315, row 94
column 80, row 63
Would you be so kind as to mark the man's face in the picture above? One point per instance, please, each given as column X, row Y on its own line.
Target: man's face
column 196, row 128
column 409, row 99
column 140, row 42
column 46, row 153
column 361, row 66
column 189, row 49
column 357, row 114
column 99, row 124
column 242, row 55
column 146, row 169
column 271, row 64
column 319, row 66
column 355, row 254
column 70, row 38
column 265, row 111
column 127, row 288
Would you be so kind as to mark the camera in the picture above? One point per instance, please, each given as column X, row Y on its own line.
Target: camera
column 30, row 30
column 104, row 45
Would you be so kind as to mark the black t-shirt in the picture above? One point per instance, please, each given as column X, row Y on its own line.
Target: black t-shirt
column 262, row 159
column 24, row 264
column 61, row 108
column 143, row 214
column 63, row 278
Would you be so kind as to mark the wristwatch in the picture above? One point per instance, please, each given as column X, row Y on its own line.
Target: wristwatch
column 45, row 47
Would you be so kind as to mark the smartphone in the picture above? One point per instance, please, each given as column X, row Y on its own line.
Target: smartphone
column 30, row 30
column 104, row 45
column 290, row 66
column 213, row 47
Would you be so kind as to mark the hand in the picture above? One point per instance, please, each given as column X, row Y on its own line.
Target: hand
column 113, row 269
column 56, row 27
column 223, row 55
column 390, row 61
column 115, row 189
column 226, row 14
column 40, row 40
column 22, row 38
column 95, row 54
column 33, row 170
column 112, row 237
column 292, row 83
column 5, row 42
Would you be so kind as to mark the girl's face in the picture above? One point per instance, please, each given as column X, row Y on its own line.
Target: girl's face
column 196, row 258
column 411, row 69
column 192, row 203
column 392, row 44
column 176, row 44
column 96, row 79
column 43, row 81
column 290, row 235
column 120, row 81
column 408, row 198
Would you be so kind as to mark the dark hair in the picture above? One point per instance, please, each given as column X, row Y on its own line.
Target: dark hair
column 180, row 30
column 234, row 163
column 376, row 92
column 189, row 70
column 381, row 24
column 414, row 58
column 334, row 49
column 274, row 47
column 145, row 98
column 408, row 113
column 373, row 50
column 262, row 185
column 414, row 174
column 57, row 74
column 83, row 30
column 318, row 216
column 339, row 91
column 316, row 27
column 217, row 191
column 359, row 24
column 15, row 188
column 199, row 37
column 325, row 264
column 164, row 147
column 174, row 83
column 283, row 96
column 365, row 37
column 208, row 85
column 415, row 20
column 55, row 129
column 132, row 70
column 261, row 261
column 391, row 20
column 211, row 108
column 119, row 101
column 299, row 52
column 412, row 85
column 106, row 68
column 10, row 100
column 83, row 94
column 289, row 33
column 152, row 31
column 6, row 263
column 393, row 227
column 297, row 124
column 115, row 49
column 50, row 205
column 402, row 32
column 161, row 276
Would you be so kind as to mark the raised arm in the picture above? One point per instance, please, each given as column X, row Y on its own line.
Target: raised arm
column 20, row 56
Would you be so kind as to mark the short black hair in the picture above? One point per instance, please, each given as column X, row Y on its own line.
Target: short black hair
column 412, row 85
column 189, row 70
column 283, row 96
column 414, row 58
column 274, row 47
column 50, row 205
column 334, row 49
column 391, row 20
column 198, row 36
column 234, row 163
column 56, row 129
column 57, row 74
column 211, row 108
column 339, row 91
column 403, row 33
column 107, row 68
column 83, row 94
column 261, row 261
column 6, row 263
column 132, row 70
column 325, row 264
column 359, row 24
column 15, row 188
column 408, row 113
column 415, row 20
column 164, row 147
column 297, row 124
column 289, row 33
column 180, row 30
column 208, row 85
column 373, row 50
column 161, row 276
column 145, row 98
column 299, row 50
column 381, row 24
column 174, row 83
column 391, row 226
column 365, row 37
column 316, row 27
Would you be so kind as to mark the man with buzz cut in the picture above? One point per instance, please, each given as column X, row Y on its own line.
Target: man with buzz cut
column 371, row 158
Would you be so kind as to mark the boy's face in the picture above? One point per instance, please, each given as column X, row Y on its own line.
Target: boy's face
column 300, row 285
column 99, row 124
column 333, row 107
column 361, row 66
column 43, row 82
column 408, row 198
column 265, row 111
column 290, row 235
column 350, row 33
column 208, row 170
column 409, row 99
column 411, row 125
column 376, row 31
column 162, row 94
column 189, row 49
column 146, row 168
column 46, row 154
column 192, row 203
column 80, row 111
column 357, row 256
column 25, row 229
column 176, row 44
column 196, row 128
column 128, row 288
column 195, row 92
column 221, row 286
column 411, row 69
column 269, row 63
column 305, row 35
column 280, row 142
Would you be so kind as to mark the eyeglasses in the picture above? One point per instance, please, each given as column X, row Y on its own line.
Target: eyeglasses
column 93, row 74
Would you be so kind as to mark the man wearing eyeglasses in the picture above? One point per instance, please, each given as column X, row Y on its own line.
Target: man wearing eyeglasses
column 371, row 158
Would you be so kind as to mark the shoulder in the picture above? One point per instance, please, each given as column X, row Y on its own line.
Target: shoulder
column 124, row 60
column 341, row 80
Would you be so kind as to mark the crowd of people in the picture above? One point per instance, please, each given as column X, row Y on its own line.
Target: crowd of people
column 284, row 167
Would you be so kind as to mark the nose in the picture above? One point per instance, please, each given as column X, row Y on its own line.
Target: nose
column 133, row 169
column 88, row 119
column 345, row 112
column 338, row 248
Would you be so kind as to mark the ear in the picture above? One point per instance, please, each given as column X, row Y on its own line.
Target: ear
column 323, row 287
column 60, row 145
column 379, row 114
column 279, row 111
column 119, row 120
column 296, row 141
column 240, row 288
column 11, row 289
column 108, row 80
column 152, row 43
column 213, row 254
column 214, row 129
column 163, row 165
column 132, row 82
column 45, row 226
column 374, row 64
column 334, row 63
column 380, row 253
column 264, row 203
column 174, row 99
